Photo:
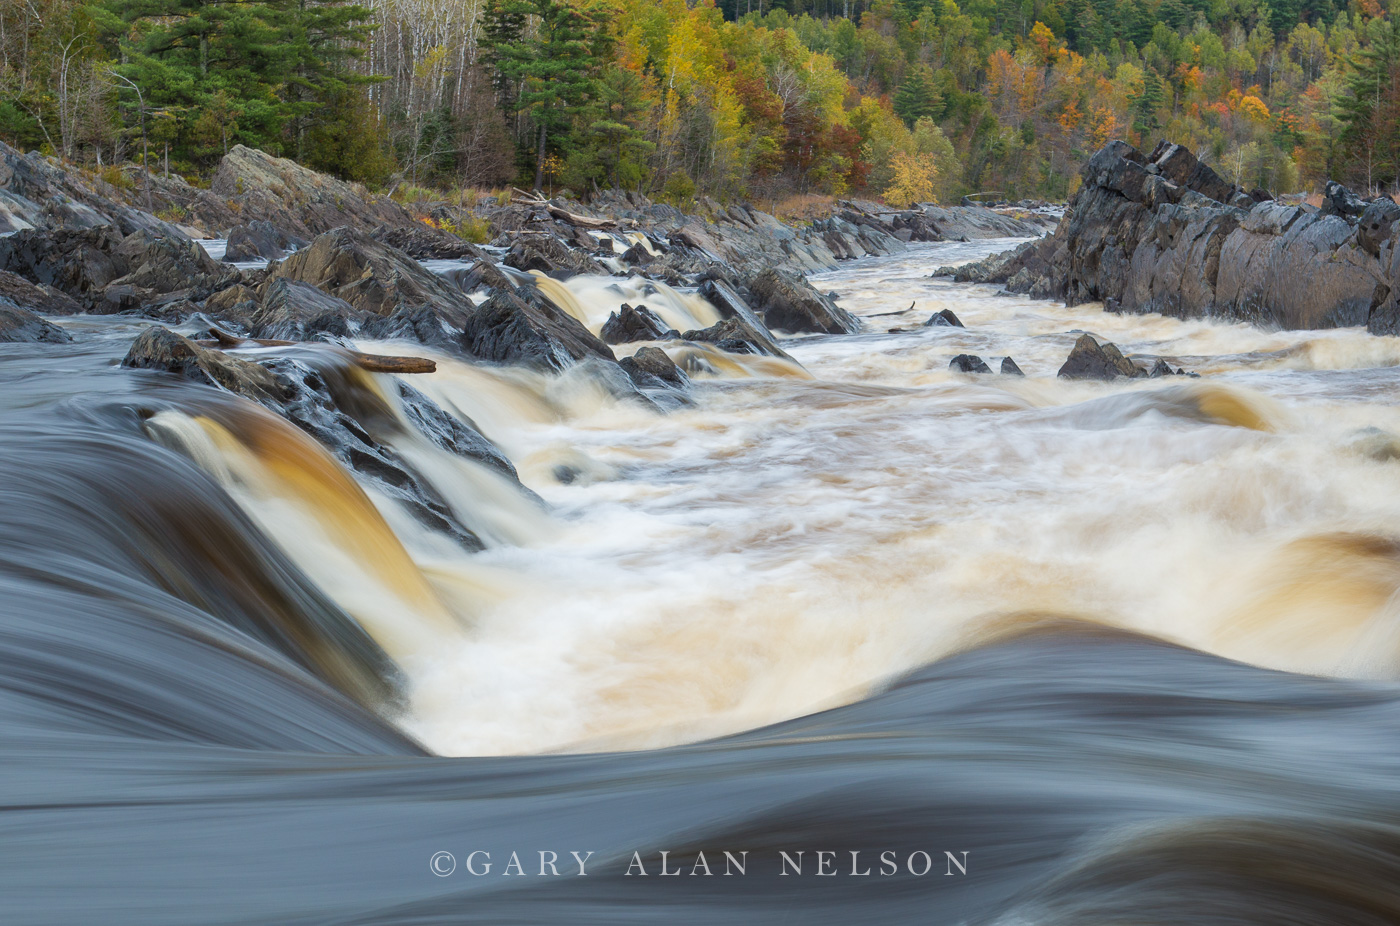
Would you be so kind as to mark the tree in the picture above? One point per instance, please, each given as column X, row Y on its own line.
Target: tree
column 1147, row 103
column 1370, row 110
column 917, row 97
column 551, row 53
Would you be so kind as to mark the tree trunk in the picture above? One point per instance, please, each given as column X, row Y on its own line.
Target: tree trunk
column 539, row 160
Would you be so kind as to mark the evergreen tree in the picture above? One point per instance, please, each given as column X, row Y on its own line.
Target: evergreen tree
column 1147, row 103
column 917, row 98
column 221, row 74
column 1370, row 110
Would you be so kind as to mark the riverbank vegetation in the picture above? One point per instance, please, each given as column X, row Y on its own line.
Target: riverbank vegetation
column 910, row 100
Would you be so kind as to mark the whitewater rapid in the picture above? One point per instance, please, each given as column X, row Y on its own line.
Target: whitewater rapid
column 788, row 544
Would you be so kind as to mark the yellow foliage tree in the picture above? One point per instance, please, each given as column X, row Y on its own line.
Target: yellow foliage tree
column 913, row 181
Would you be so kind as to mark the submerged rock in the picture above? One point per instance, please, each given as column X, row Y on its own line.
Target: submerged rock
column 1009, row 367
column 945, row 318
column 738, row 336
column 159, row 348
column 968, row 363
column 1091, row 360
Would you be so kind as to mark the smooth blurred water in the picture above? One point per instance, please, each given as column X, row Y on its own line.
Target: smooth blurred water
column 887, row 608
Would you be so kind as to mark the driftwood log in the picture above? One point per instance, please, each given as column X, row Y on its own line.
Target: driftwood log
column 374, row 363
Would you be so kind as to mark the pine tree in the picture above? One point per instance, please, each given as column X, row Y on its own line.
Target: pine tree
column 917, row 97
column 1147, row 103
column 1370, row 110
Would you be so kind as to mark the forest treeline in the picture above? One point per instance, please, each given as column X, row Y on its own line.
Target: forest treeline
column 905, row 99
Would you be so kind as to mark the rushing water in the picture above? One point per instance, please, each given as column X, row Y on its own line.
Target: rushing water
column 863, row 604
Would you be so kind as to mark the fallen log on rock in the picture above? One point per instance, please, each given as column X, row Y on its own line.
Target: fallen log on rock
column 373, row 363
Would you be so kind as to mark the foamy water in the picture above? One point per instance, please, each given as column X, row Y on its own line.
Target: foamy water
column 788, row 543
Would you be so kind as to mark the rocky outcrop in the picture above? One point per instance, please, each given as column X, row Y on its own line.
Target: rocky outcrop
column 789, row 303
column 37, row 297
column 738, row 337
column 654, row 363
column 259, row 240
column 296, row 311
column 20, row 324
column 374, row 278
column 630, row 324
column 260, row 187
column 944, row 319
column 1091, row 360
column 1010, row 368
column 1164, row 233
column 550, row 256
column 526, row 329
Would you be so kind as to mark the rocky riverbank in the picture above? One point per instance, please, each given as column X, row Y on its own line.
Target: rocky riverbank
column 1164, row 233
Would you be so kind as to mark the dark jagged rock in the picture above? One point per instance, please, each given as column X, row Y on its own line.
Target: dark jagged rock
column 295, row 311
column 630, row 324
column 1009, row 367
column 1162, row 368
column 19, row 324
column 1091, row 360
column 159, row 348
column 373, row 277
column 738, row 336
column 424, row 242
column 654, row 363
column 161, row 267
column 510, row 328
column 1376, row 223
column 37, row 297
column 1339, row 201
column 550, row 256
column 725, row 298
column 968, row 363
column 78, row 262
column 259, row 240
column 1164, row 233
column 789, row 303
column 451, row 433
column 945, row 318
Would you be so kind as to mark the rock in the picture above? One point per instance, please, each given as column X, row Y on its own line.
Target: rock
column 18, row 324
column 159, row 348
column 945, row 318
column 424, row 242
column 373, row 277
column 1162, row 368
column 302, row 202
column 550, row 256
column 296, row 311
column 968, row 363
column 37, row 297
column 1091, row 360
column 259, row 240
column 639, row 324
column 738, row 336
column 1339, row 201
column 163, row 267
column 510, row 328
column 78, row 262
column 1009, row 367
column 789, row 303
column 654, row 362
column 1376, row 224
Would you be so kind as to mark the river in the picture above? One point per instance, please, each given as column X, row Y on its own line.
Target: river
column 1131, row 647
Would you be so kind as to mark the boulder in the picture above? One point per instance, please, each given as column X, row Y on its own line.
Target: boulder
column 526, row 329
column 738, row 336
column 1376, row 223
column 1339, row 201
column 159, row 348
column 373, row 277
column 630, row 324
column 1091, row 360
column 549, row 255
column 425, row 242
column 1009, row 367
column 295, row 311
column 789, row 303
column 942, row 319
column 37, row 297
column 162, row 267
column 655, row 363
column 78, row 262
column 259, row 240
column 968, row 363
column 18, row 324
